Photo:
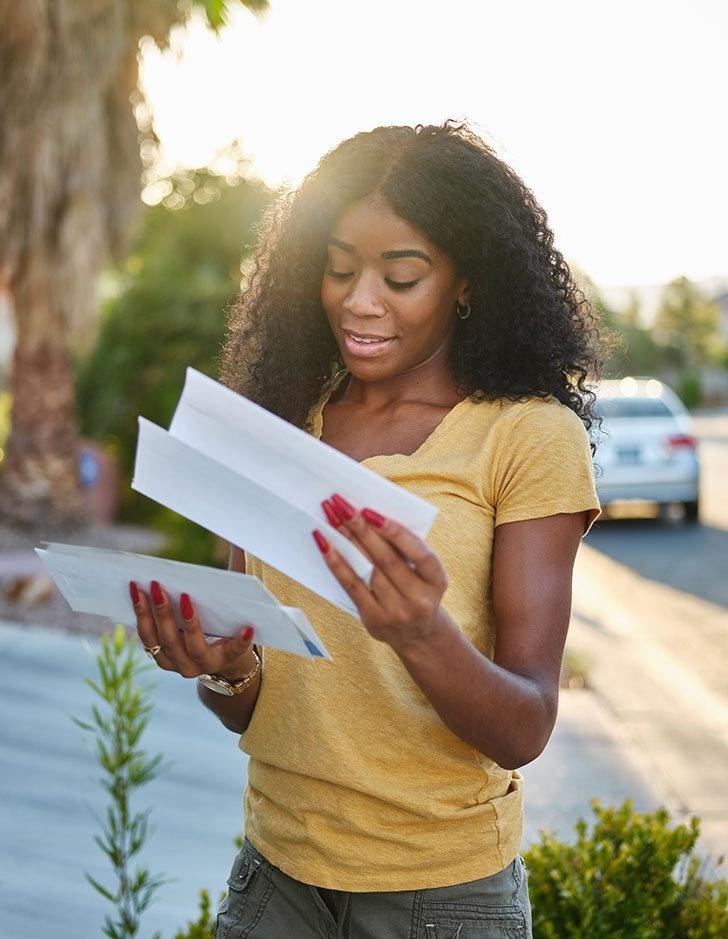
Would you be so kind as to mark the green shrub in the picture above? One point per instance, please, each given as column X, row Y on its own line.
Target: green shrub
column 632, row 877
column 691, row 389
column 168, row 313
column 204, row 926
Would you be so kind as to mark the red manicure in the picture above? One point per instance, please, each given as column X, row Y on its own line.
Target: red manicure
column 344, row 508
column 157, row 594
column 374, row 517
column 321, row 542
column 185, row 605
column 247, row 633
column 133, row 592
column 331, row 514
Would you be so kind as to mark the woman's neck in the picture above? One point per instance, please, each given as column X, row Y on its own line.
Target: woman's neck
column 428, row 383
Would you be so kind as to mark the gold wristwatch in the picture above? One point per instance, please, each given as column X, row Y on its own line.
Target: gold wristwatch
column 224, row 686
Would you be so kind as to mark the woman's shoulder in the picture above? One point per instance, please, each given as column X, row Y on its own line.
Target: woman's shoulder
column 533, row 429
column 529, row 414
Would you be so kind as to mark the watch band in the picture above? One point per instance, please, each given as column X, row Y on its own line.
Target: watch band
column 225, row 686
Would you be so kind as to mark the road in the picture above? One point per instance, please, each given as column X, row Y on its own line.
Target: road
column 651, row 609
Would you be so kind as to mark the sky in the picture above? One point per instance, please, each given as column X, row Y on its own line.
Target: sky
column 614, row 114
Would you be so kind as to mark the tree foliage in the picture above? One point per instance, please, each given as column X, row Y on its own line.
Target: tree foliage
column 168, row 313
column 689, row 323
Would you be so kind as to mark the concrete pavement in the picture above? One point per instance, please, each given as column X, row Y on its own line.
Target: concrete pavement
column 651, row 610
column 658, row 667
column 48, row 788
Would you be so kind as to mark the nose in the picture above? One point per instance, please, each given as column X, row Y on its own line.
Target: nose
column 363, row 299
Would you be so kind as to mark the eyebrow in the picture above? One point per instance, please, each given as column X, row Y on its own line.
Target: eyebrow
column 387, row 255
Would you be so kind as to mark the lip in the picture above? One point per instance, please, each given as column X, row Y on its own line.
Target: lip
column 368, row 349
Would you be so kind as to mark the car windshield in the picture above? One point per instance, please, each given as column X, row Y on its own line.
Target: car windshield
column 631, row 407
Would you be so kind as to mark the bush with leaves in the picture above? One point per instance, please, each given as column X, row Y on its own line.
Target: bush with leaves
column 117, row 728
column 168, row 313
column 632, row 877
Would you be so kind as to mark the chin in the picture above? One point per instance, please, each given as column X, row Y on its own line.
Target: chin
column 371, row 370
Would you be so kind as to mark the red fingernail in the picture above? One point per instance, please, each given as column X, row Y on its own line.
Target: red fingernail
column 157, row 594
column 185, row 605
column 374, row 517
column 247, row 633
column 331, row 514
column 344, row 508
column 321, row 542
column 133, row 592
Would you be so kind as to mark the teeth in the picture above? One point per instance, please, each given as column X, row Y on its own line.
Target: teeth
column 366, row 340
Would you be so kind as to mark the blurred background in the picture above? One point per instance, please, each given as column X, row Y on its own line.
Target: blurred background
column 139, row 144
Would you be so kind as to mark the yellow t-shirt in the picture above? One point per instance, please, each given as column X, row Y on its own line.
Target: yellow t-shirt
column 355, row 783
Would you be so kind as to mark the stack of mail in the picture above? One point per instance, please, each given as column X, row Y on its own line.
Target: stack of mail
column 96, row 580
column 257, row 481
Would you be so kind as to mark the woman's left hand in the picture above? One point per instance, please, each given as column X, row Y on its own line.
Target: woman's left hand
column 402, row 605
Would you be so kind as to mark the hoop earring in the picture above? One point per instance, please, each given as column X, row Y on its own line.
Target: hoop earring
column 462, row 309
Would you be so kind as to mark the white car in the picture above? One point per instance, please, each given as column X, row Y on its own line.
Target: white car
column 649, row 451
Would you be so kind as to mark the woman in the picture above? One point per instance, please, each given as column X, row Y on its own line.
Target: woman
column 407, row 307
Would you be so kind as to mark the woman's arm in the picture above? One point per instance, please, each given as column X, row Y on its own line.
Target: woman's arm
column 507, row 708
column 236, row 712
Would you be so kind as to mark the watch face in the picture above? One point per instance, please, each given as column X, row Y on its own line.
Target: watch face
column 215, row 686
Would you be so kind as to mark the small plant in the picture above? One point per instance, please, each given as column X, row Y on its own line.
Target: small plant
column 632, row 877
column 118, row 729
column 204, row 926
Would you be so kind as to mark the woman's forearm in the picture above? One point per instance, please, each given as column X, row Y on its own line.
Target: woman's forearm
column 236, row 711
column 507, row 717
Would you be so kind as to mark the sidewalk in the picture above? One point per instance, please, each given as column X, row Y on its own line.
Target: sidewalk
column 659, row 670
column 587, row 757
column 46, row 828
column 23, row 575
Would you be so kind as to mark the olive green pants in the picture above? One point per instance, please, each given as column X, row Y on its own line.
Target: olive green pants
column 265, row 903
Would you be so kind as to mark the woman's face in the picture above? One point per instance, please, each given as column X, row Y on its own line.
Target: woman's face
column 385, row 280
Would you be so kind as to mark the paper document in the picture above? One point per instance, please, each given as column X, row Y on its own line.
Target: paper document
column 96, row 580
column 254, row 479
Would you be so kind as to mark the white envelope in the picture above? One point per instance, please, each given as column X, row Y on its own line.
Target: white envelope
column 257, row 481
column 96, row 580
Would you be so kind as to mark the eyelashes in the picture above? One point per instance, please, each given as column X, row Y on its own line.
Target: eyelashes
column 394, row 284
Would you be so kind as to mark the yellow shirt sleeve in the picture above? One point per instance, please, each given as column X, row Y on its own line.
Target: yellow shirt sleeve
column 544, row 465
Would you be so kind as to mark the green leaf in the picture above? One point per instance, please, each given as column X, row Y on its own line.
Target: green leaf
column 101, row 889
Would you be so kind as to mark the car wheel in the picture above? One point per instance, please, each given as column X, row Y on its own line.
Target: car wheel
column 692, row 511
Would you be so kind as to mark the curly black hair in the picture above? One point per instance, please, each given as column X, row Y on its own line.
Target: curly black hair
column 531, row 331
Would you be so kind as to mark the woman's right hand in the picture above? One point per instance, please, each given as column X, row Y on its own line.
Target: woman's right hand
column 184, row 648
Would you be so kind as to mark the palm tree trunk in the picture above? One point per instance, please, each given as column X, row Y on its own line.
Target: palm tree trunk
column 40, row 485
column 69, row 186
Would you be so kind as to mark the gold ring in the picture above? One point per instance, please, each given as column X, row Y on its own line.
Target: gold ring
column 153, row 651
